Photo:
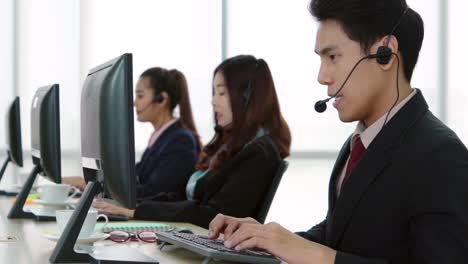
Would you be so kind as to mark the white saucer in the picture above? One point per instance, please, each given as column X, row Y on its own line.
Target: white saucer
column 86, row 240
column 56, row 204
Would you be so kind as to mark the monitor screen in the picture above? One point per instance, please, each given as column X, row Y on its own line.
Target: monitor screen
column 107, row 136
column 45, row 132
column 13, row 133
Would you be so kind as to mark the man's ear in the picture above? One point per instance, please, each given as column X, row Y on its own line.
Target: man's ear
column 391, row 42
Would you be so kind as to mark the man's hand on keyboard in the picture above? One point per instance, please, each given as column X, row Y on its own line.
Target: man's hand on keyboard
column 272, row 237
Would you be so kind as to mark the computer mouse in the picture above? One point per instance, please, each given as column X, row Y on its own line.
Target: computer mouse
column 183, row 230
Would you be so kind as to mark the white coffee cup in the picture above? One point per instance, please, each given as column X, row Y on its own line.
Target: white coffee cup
column 63, row 216
column 56, row 192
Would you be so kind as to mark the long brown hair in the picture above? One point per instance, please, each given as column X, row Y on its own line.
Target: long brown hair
column 254, row 106
column 173, row 82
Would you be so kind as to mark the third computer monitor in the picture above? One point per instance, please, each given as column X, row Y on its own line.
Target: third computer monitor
column 13, row 137
column 13, row 132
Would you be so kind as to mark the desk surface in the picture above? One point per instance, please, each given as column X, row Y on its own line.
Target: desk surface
column 31, row 247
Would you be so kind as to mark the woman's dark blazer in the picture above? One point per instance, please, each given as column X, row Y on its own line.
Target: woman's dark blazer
column 236, row 189
column 167, row 165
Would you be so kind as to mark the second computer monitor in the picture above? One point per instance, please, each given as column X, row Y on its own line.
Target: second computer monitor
column 45, row 132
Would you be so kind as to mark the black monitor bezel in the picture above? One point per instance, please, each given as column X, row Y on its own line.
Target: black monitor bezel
column 13, row 130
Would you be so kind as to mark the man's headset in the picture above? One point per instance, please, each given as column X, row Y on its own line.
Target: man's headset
column 382, row 56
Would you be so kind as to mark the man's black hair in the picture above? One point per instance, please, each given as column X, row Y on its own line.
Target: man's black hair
column 366, row 21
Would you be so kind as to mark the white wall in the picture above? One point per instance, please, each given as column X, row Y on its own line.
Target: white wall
column 458, row 88
column 6, row 63
column 48, row 52
column 426, row 74
column 178, row 34
column 6, row 75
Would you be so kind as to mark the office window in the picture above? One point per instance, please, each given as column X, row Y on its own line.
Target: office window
column 6, row 64
column 301, row 200
column 48, row 52
column 427, row 72
column 172, row 34
column 7, row 88
column 457, row 88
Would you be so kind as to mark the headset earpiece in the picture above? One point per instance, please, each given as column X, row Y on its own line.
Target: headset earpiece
column 158, row 98
column 383, row 55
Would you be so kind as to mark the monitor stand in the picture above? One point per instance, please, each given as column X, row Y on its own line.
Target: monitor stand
column 8, row 193
column 17, row 210
column 64, row 251
column 2, row 171
column 4, row 166
column 45, row 214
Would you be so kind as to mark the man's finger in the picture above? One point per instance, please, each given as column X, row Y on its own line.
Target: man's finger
column 216, row 225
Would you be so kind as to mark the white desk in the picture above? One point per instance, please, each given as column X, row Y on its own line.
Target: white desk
column 33, row 248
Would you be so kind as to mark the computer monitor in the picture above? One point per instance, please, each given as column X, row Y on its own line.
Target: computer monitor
column 107, row 146
column 107, row 133
column 13, row 137
column 45, row 144
column 45, row 132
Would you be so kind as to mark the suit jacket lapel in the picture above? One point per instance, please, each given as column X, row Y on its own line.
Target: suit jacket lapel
column 337, row 169
column 372, row 163
column 377, row 157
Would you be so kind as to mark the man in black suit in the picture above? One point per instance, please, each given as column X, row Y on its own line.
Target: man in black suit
column 398, row 190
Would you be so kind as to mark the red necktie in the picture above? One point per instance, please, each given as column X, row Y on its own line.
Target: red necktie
column 354, row 157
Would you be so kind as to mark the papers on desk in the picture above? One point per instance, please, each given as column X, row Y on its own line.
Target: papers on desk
column 133, row 227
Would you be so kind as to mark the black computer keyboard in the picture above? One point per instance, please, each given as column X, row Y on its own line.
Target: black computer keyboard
column 215, row 248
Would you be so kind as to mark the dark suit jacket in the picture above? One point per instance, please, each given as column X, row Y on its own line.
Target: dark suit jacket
column 236, row 189
column 167, row 165
column 406, row 200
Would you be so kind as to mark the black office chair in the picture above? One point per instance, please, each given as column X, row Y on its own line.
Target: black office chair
column 265, row 206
